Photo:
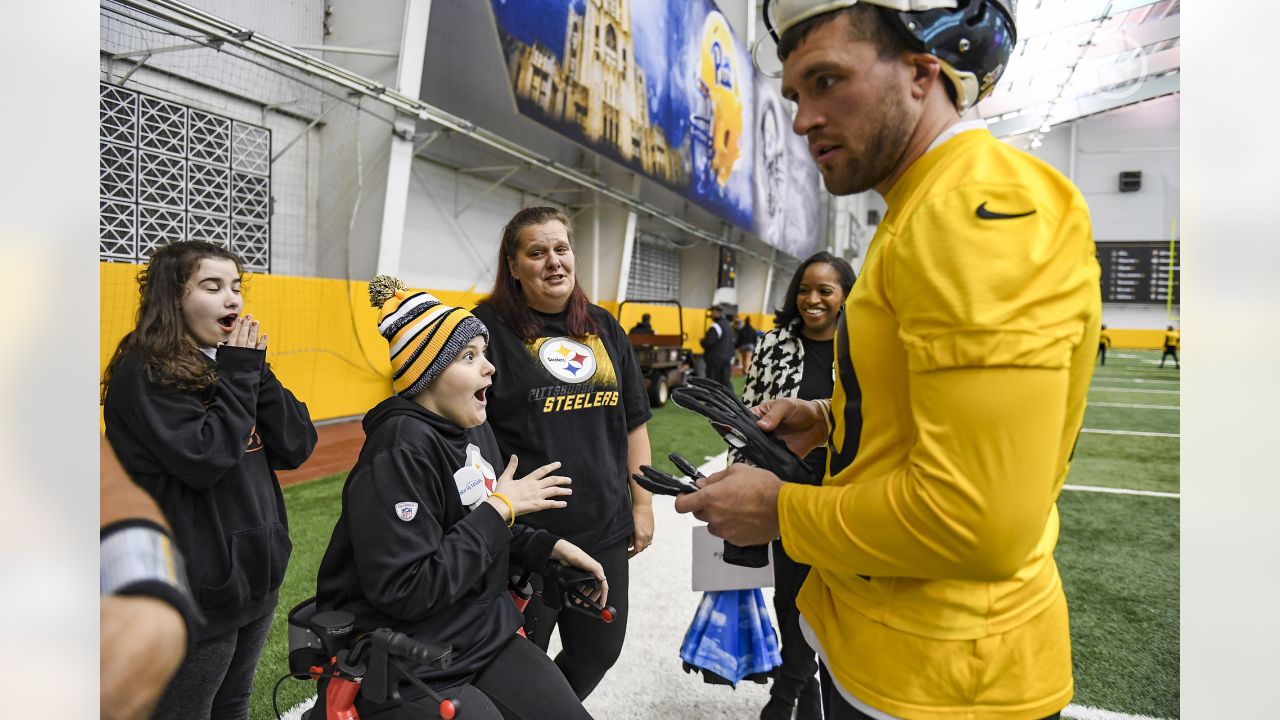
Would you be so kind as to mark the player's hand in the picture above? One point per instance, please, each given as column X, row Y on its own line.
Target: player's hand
column 798, row 423
column 245, row 334
column 739, row 504
column 536, row 491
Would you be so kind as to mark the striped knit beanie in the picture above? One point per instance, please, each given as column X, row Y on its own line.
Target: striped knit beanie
column 425, row 335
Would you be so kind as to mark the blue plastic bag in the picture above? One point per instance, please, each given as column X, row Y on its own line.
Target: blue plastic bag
column 732, row 637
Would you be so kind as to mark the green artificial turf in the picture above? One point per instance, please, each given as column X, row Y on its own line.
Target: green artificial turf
column 313, row 509
column 1118, row 556
column 1134, row 463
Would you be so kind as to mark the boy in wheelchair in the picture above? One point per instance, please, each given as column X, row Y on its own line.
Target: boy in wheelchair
column 428, row 530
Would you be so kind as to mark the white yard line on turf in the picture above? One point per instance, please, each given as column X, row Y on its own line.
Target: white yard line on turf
column 1132, row 379
column 295, row 712
column 1133, row 406
column 1134, row 390
column 1084, row 712
column 1121, row 491
column 1129, row 432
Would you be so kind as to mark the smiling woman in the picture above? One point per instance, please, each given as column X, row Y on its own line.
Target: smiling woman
column 796, row 359
column 568, row 389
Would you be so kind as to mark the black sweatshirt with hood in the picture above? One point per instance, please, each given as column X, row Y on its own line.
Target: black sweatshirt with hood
column 209, row 460
column 417, row 549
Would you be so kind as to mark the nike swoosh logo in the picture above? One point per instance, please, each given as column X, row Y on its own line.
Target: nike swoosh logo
column 986, row 214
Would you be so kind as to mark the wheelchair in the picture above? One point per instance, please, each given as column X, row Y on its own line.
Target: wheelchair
column 320, row 646
column 373, row 666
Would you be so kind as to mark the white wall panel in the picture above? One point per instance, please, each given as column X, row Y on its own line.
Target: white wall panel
column 446, row 250
column 1142, row 137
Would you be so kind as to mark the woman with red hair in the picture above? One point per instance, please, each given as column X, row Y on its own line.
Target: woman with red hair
column 568, row 389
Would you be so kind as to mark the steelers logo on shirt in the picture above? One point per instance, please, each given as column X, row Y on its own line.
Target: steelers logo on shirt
column 567, row 360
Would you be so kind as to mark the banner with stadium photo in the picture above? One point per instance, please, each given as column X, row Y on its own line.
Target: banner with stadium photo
column 667, row 90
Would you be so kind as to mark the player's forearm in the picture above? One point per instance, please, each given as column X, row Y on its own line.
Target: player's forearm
column 120, row 498
column 970, row 500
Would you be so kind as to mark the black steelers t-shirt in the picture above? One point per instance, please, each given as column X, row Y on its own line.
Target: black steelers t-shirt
column 573, row 400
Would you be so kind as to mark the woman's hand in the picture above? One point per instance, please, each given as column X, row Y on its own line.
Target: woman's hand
column 642, row 538
column 573, row 556
column 536, row 491
column 245, row 334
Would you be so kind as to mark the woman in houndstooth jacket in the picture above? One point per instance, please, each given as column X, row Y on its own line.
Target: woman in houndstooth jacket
column 796, row 359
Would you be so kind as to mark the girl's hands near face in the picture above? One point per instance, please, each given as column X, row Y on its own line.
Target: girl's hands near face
column 245, row 334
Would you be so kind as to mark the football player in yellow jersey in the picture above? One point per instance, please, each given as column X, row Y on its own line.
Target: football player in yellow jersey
column 1172, row 339
column 963, row 360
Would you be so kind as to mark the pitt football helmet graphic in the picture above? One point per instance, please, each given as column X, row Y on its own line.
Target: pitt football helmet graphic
column 717, row 118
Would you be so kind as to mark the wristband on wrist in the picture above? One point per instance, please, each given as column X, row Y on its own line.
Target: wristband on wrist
column 827, row 417
column 511, row 509
column 137, row 557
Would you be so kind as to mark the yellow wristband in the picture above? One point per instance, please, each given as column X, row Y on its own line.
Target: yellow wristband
column 510, row 508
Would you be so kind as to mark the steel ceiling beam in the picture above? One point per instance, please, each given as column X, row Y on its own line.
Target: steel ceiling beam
column 1105, row 72
column 1070, row 110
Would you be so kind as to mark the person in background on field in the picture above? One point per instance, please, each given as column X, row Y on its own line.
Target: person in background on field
column 963, row 362
column 568, row 388
column 1172, row 341
column 428, row 533
column 796, row 360
column 201, row 423
column 717, row 346
column 1104, row 342
column 745, row 340
column 643, row 327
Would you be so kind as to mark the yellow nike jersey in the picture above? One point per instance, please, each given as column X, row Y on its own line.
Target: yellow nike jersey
column 963, row 361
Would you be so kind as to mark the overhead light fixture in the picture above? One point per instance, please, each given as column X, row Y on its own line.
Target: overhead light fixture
column 1045, row 128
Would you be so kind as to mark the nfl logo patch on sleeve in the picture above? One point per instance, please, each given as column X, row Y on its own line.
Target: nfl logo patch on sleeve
column 407, row 510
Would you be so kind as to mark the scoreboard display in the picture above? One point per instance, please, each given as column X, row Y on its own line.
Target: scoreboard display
column 1138, row 273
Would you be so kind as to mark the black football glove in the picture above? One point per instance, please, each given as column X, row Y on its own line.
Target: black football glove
column 737, row 426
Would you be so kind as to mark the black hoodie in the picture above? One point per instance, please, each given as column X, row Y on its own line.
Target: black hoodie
column 417, row 549
column 209, row 460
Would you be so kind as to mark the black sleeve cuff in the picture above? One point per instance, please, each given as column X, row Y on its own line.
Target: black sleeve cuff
column 237, row 360
column 537, row 546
